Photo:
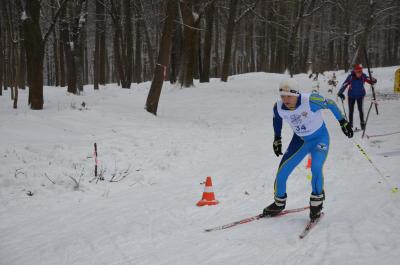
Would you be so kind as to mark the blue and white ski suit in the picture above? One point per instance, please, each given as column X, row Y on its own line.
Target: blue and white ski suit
column 310, row 136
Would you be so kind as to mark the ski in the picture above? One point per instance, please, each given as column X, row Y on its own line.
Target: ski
column 310, row 225
column 253, row 218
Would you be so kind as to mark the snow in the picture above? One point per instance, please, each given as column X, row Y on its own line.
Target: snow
column 195, row 16
column 149, row 217
column 24, row 16
column 82, row 19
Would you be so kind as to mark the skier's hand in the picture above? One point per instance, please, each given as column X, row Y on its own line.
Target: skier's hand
column 277, row 146
column 373, row 80
column 341, row 95
column 346, row 128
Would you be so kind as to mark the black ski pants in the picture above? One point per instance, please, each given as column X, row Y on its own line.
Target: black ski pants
column 352, row 102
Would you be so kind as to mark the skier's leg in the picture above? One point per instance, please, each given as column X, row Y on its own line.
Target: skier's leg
column 351, row 110
column 361, row 111
column 296, row 151
column 319, row 152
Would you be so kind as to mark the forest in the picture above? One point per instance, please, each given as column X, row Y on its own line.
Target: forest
column 72, row 43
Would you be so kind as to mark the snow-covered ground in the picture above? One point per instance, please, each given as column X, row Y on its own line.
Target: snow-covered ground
column 149, row 216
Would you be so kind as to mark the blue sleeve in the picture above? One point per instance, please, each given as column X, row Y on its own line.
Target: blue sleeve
column 318, row 102
column 345, row 84
column 277, row 122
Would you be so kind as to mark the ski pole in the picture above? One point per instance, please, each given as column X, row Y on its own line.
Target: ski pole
column 366, row 120
column 344, row 110
column 373, row 93
column 370, row 77
column 392, row 187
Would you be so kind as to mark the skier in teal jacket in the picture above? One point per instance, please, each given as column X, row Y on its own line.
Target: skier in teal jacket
column 303, row 113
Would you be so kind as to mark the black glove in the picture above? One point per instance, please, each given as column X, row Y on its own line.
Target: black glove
column 277, row 146
column 346, row 128
column 340, row 95
column 373, row 80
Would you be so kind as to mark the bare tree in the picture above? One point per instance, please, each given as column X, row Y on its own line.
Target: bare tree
column 1, row 59
column 123, row 40
column 138, row 55
column 35, row 53
column 205, row 70
column 163, row 58
column 228, row 40
column 190, row 21
column 212, row 38
column 99, row 53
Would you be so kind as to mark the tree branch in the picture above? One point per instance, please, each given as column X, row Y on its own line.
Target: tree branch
column 46, row 36
column 249, row 8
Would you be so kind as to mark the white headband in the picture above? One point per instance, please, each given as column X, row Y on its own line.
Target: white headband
column 287, row 92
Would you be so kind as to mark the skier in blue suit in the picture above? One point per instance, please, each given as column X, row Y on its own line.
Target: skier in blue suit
column 303, row 113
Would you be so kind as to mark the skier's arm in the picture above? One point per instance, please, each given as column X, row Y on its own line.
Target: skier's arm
column 277, row 122
column 369, row 80
column 318, row 102
column 345, row 84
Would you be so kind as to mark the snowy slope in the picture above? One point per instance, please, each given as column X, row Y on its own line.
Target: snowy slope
column 149, row 217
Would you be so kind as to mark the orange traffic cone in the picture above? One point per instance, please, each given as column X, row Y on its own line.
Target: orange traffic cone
column 208, row 197
column 308, row 163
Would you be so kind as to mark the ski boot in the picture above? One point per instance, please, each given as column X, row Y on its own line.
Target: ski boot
column 276, row 207
column 316, row 202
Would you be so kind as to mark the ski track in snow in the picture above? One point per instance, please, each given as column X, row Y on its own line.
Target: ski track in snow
column 218, row 129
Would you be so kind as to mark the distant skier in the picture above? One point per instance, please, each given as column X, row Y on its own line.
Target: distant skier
column 303, row 113
column 332, row 82
column 314, row 76
column 355, row 80
column 315, row 87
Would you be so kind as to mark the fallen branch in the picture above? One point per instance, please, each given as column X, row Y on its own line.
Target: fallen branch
column 49, row 179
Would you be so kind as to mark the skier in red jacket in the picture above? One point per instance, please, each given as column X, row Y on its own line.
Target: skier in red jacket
column 355, row 81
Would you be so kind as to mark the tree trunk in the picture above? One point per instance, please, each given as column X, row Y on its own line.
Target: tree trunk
column 102, row 60
column 163, row 58
column 138, row 56
column 228, row 40
column 150, row 52
column 61, row 46
column 205, row 73
column 17, row 74
column 96, row 59
column 123, row 49
column 34, row 55
column 264, row 40
column 189, row 44
column 128, row 45
column 292, row 42
column 55, row 50
column 362, row 43
column 73, row 38
column 217, row 63
column 176, row 51
column 1, row 58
